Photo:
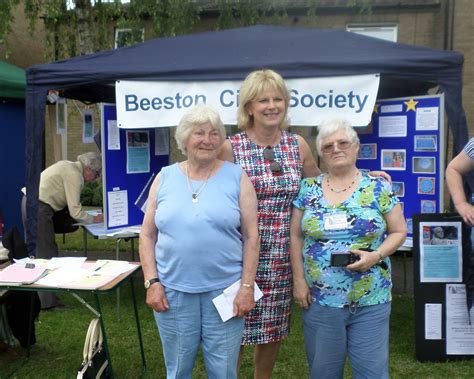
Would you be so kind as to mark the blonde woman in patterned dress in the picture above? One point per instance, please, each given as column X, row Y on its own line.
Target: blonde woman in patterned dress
column 275, row 160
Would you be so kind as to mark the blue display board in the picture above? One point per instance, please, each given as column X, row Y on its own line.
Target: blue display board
column 130, row 163
column 406, row 139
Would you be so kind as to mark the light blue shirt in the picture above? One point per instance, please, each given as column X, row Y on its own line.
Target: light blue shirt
column 199, row 246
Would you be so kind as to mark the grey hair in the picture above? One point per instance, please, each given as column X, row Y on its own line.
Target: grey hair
column 197, row 115
column 329, row 127
column 91, row 160
column 254, row 84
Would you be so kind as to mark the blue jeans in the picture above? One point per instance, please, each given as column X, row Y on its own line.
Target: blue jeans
column 191, row 320
column 332, row 333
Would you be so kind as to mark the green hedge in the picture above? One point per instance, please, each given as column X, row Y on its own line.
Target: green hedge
column 92, row 194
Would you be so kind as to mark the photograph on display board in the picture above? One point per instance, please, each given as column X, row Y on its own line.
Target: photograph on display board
column 426, row 143
column 393, row 159
column 426, row 186
column 398, row 188
column 441, row 235
column 440, row 251
column 424, row 165
column 138, row 152
column 428, row 206
column 368, row 151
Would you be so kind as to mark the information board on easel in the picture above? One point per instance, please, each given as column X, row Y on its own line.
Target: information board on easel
column 444, row 328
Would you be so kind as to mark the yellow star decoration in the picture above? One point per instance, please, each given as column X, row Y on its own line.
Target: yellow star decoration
column 376, row 108
column 411, row 105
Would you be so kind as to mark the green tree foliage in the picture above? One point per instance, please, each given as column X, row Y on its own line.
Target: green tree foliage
column 92, row 194
column 6, row 7
column 77, row 27
column 88, row 26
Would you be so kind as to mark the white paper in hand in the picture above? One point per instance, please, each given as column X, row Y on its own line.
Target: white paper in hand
column 225, row 303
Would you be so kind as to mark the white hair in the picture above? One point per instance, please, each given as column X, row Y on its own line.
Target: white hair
column 197, row 115
column 332, row 126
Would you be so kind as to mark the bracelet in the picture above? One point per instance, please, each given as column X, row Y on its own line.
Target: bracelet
column 381, row 257
column 247, row 285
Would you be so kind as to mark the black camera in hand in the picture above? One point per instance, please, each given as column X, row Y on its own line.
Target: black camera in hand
column 341, row 259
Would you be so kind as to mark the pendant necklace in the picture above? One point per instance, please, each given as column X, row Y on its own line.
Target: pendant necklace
column 337, row 190
column 195, row 193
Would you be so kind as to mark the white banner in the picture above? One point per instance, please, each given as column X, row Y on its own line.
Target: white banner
column 160, row 104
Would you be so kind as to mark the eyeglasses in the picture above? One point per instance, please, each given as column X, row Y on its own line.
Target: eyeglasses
column 341, row 145
column 269, row 155
column 97, row 173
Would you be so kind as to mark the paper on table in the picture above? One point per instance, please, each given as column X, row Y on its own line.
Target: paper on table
column 60, row 276
column 107, row 267
column 130, row 230
column 19, row 274
column 38, row 262
column 66, row 262
column 225, row 303
column 90, row 281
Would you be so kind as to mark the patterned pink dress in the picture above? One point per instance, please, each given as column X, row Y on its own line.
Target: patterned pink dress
column 269, row 320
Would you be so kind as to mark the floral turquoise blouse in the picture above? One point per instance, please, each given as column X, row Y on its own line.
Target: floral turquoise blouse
column 363, row 227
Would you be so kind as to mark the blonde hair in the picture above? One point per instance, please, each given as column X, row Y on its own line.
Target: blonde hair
column 197, row 115
column 254, row 84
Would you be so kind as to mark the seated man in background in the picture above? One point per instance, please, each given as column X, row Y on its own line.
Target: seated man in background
column 60, row 187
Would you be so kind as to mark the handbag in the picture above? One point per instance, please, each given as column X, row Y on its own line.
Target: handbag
column 94, row 363
column 63, row 222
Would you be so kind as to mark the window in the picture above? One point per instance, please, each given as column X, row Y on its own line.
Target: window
column 128, row 36
column 386, row 32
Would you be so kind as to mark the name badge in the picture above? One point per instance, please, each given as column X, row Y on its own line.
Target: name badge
column 335, row 221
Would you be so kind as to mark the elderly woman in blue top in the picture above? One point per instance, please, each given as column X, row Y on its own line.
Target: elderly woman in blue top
column 346, row 309
column 199, row 236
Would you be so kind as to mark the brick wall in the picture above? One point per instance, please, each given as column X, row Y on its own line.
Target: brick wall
column 74, row 144
column 463, row 41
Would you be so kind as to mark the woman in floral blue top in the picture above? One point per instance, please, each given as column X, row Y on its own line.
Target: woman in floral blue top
column 346, row 306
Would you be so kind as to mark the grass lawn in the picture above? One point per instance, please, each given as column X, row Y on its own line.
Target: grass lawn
column 60, row 338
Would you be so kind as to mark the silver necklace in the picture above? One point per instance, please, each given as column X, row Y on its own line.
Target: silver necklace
column 338, row 190
column 195, row 193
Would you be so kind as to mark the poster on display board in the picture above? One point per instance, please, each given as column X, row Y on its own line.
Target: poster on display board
column 406, row 139
column 444, row 325
column 131, row 159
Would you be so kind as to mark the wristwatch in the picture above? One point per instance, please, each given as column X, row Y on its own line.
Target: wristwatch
column 149, row 282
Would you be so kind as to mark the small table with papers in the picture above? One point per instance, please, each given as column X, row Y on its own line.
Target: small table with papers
column 98, row 231
column 101, row 285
